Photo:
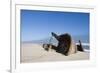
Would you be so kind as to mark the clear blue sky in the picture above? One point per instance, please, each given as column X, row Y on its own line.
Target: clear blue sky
column 37, row 25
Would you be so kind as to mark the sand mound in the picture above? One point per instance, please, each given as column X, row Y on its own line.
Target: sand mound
column 35, row 53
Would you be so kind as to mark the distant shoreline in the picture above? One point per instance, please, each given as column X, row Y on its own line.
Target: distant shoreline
column 86, row 46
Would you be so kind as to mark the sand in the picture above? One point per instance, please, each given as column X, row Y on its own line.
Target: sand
column 31, row 53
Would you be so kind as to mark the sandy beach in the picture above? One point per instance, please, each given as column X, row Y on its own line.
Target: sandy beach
column 31, row 53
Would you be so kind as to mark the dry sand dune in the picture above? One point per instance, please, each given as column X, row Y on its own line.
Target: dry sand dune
column 35, row 53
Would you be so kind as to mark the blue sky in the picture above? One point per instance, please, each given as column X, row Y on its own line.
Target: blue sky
column 36, row 25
